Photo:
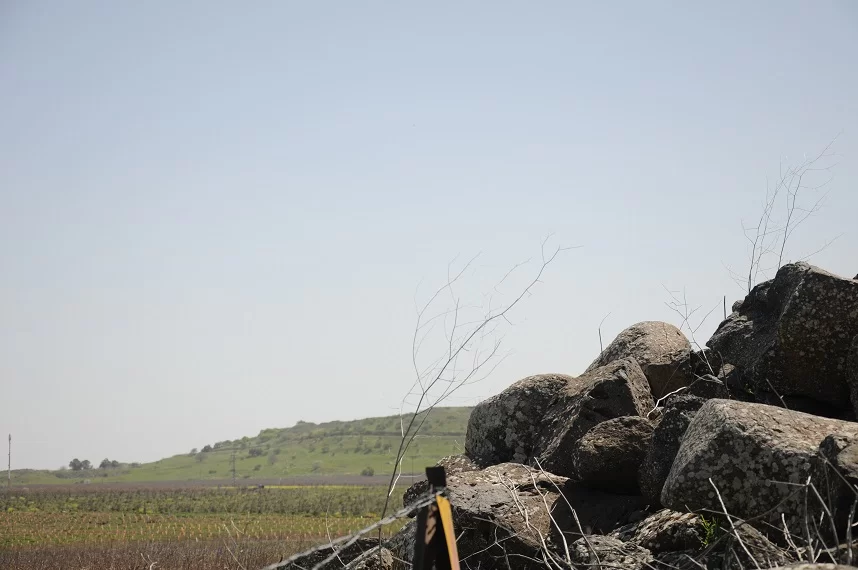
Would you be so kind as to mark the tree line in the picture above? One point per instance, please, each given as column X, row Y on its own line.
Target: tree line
column 78, row 465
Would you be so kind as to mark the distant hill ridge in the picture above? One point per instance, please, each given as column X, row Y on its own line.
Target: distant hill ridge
column 365, row 446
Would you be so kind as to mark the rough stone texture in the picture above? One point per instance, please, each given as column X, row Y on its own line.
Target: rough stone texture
column 452, row 464
column 839, row 454
column 852, row 367
column 732, row 554
column 790, row 337
column 617, row 389
column 679, row 560
column 609, row 455
column 726, row 553
column 659, row 349
column 489, row 509
column 679, row 410
column 747, row 450
column 345, row 555
column 489, row 506
column 401, row 546
column 599, row 552
column 504, row 427
column 372, row 560
column 664, row 531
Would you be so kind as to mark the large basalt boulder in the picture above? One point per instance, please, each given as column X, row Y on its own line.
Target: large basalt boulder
column 679, row 409
column 664, row 531
column 659, row 349
column 739, row 549
column 515, row 511
column 609, row 455
column 790, row 337
column 504, row 510
column 852, row 370
column 504, row 427
column 452, row 464
column 754, row 454
column 401, row 546
column 606, row 552
column 745, row 547
column 615, row 390
column 839, row 454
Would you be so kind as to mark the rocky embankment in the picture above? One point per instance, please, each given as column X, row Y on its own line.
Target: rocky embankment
column 740, row 455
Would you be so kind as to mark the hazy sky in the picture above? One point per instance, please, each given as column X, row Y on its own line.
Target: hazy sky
column 214, row 216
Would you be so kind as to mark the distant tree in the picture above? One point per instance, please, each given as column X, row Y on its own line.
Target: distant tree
column 75, row 464
column 135, row 464
column 254, row 452
column 193, row 452
column 200, row 457
column 272, row 459
column 257, row 467
column 85, row 464
column 368, row 472
column 105, row 464
column 114, row 464
column 207, row 448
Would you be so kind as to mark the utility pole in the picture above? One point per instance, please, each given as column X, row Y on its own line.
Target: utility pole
column 9, row 469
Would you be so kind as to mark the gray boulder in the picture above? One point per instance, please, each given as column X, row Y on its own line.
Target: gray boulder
column 401, row 546
column 754, row 454
column 839, row 455
column 504, row 427
column 517, row 512
column 664, row 531
column 790, row 337
column 659, row 349
column 452, row 464
column 679, row 409
column 504, row 510
column 744, row 548
column 609, row 455
column 598, row 552
column 852, row 367
column 726, row 552
column 615, row 390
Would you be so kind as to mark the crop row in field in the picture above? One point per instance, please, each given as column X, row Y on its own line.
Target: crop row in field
column 159, row 555
column 314, row 501
column 39, row 529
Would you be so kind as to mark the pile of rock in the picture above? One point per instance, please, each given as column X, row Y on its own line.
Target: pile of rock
column 740, row 455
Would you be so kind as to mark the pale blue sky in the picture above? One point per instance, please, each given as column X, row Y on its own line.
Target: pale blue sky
column 214, row 215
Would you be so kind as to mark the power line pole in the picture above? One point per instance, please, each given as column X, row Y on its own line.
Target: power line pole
column 9, row 468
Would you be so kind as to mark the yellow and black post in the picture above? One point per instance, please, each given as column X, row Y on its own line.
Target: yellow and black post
column 435, row 544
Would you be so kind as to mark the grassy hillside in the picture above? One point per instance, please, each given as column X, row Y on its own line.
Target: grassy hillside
column 306, row 449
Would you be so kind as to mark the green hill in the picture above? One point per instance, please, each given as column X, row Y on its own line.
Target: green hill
column 336, row 448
